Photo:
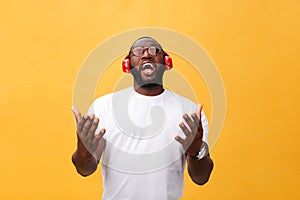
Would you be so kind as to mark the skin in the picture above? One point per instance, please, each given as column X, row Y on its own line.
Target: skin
column 199, row 170
column 86, row 162
column 156, row 77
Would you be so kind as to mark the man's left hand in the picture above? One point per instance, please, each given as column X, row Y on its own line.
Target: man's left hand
column 194, row 133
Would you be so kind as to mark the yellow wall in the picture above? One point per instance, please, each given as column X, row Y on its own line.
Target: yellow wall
column 255, row 45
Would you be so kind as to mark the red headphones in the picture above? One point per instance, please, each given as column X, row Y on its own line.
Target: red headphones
column 167, row 62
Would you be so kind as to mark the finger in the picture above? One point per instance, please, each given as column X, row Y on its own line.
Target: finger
column 81, row 123
column 179, row 139
column 102, row 132
column 197, row 121
column 87, row 125
column 185, row 130
column 94, row 127
column 195, row 118
column 76, row 113
column 199, row 109
column 97, row 140
column 190, row 123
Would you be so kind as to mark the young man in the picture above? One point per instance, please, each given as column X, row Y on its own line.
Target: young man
column 144, row 134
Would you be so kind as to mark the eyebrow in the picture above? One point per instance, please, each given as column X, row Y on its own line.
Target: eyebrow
column 148, row 46
column 154, row 45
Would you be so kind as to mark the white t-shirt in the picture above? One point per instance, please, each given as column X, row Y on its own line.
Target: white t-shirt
column 142, row 160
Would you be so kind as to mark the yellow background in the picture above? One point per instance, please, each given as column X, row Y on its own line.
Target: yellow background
column 255, row 45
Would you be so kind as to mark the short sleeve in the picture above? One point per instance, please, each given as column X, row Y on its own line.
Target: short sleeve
column 204, row 122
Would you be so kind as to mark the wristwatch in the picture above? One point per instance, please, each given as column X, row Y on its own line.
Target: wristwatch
column 202, row 153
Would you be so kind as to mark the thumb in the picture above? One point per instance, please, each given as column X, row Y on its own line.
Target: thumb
column 76, row 113
column 199, row 109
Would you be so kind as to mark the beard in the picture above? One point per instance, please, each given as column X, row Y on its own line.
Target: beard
column 151, row 82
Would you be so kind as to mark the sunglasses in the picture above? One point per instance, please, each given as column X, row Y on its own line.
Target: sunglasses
column 152, row 50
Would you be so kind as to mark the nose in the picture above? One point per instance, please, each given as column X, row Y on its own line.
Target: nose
column 146, row 55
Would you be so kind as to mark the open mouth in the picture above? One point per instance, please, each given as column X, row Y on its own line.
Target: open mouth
column 148, row 66
column 148, row 69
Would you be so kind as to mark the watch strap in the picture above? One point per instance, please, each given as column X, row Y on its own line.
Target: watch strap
column 202, row 153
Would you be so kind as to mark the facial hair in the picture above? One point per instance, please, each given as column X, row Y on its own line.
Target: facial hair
column 148, row 84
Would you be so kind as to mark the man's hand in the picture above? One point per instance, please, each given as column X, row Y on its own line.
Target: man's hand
column 86, row 127
column 194, row 133
column 199, row 170
column 89, row 145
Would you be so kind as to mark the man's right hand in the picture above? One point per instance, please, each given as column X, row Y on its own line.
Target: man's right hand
column 88, row 141
column 89, row 145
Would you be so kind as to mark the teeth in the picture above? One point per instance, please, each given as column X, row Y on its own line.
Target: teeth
column 147, row 66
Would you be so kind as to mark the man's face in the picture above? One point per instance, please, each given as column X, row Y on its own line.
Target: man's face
column 147, row 69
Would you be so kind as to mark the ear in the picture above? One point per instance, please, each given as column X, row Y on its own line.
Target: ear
column 126, row 64
column 168, row 61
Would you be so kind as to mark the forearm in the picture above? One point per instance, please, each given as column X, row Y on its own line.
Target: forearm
column 200, row 170
column 84, row 161
column 85, row 166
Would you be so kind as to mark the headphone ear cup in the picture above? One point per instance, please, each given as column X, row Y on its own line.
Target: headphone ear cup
column 126, row 65
column 168, row 62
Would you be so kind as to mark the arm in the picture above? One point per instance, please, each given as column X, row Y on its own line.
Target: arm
column 199, row 170
column 89, row 145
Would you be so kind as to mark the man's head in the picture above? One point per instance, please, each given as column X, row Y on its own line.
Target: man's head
column 147, row 62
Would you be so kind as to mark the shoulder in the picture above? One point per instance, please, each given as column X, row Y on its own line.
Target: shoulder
column 184, row 102
column 104, row 102
column 109, row 97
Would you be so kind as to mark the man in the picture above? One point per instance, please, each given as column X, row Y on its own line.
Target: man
column 144, row 134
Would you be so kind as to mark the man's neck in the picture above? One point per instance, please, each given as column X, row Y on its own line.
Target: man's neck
column 149, row 91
